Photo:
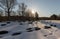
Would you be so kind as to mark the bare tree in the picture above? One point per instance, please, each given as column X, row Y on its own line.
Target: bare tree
column 13, row 13
column 36, row 15
column 19, row 10
column 22, row 8
column 7, row 5
column 1, row 13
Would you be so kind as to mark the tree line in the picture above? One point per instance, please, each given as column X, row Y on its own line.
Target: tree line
column 52, row 17
column 7, row 12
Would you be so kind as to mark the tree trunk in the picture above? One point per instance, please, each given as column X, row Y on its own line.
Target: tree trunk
column 8, row 15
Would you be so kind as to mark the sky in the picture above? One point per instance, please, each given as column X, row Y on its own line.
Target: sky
column 45, row 8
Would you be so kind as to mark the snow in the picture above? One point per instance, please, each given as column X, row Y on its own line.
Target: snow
column 13, row 27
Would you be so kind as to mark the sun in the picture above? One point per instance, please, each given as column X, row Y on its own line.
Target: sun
column 33, row 11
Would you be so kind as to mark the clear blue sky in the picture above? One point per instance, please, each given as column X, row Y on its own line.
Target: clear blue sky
column 43, row 7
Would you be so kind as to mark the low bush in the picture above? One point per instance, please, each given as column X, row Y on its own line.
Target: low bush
column 55, row 26
column 3, row 24
column 51, row 25
column 8, row 22
column 37, row 28
column 3, row 32
column 29, row 30
column 17, row 33
column 21, row 23
column 47, row 27
column 45, row 35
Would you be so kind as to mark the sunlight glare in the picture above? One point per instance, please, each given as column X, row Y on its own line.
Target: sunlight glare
column 33, row 11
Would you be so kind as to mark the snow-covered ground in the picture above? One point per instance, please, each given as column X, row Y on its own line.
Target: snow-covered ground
column 21, row 29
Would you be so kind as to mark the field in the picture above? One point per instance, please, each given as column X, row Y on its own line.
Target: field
column 43, row 29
